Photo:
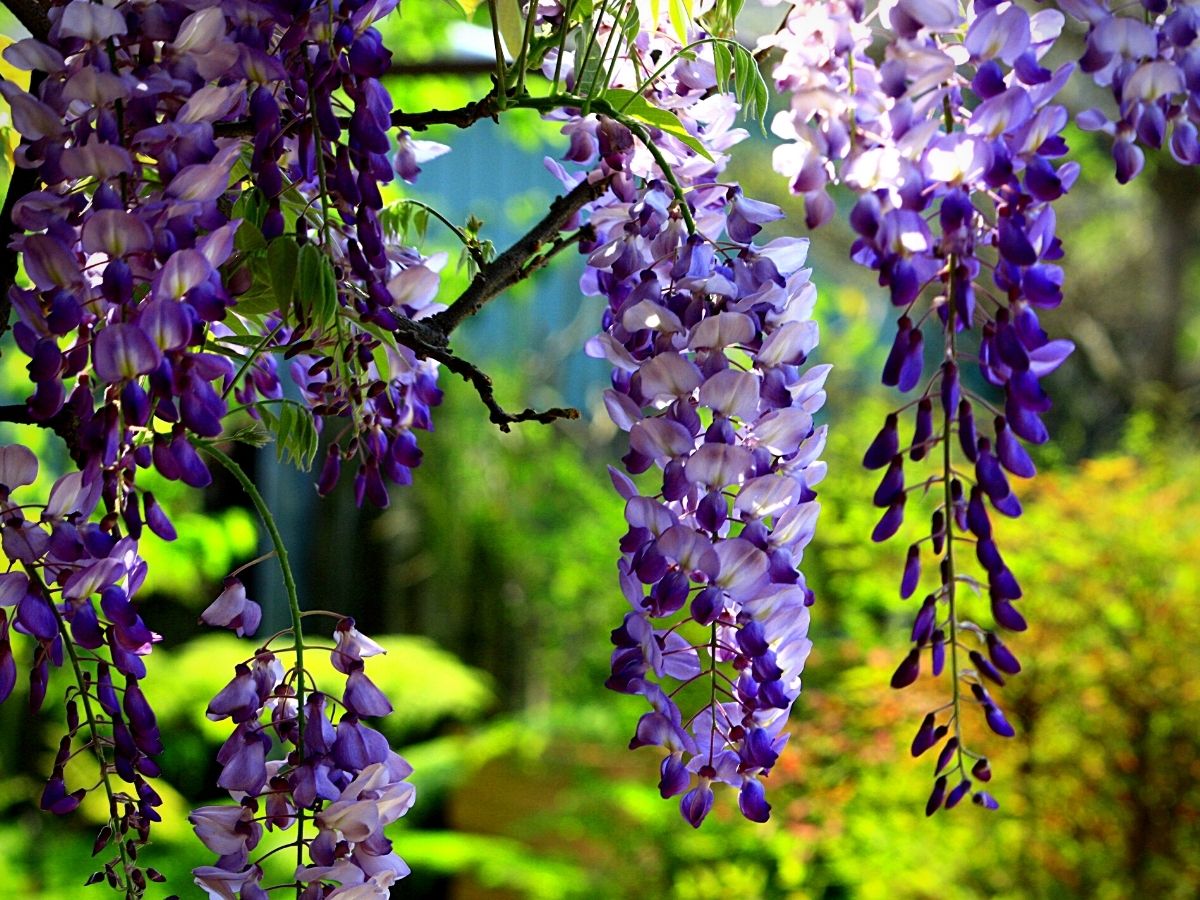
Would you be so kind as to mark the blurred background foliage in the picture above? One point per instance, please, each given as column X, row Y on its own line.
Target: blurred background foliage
column 493, row 582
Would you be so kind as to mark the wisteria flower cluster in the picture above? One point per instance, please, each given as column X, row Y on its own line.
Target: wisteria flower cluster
column 707, row 334
column 341, row 776
column 186, row 159
column 954, row 143
column 72, row 601
column 199, row 214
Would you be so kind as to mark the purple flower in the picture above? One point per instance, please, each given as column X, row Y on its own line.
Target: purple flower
column 232, row 610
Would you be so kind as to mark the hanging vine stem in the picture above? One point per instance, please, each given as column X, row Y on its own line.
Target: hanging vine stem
column 289, row 583
column 96, row 742
column 948, row 573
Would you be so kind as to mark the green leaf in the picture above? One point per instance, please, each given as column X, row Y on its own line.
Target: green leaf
column 639, row 108
column 723, row 63
column 249, row 237
column 680, row 13
column 254, row 435
column 750, row 87
column 328, row 296
column 511, row 25
column 260, row 299
column 295, row 433
column 283, row 255
column 586, row 71
column 316, row 286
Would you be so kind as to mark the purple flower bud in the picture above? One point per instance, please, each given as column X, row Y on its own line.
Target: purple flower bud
column 923, row 431
column 937, row 530
column 912, row 572
column 1002, row 656
column 1010, row 452
column 156, row 519
column 985, row 668
column 363, row 698
column 896, row 356
column 1129, row 159
column 977, row 517
column 949, row 388
column 946, row 755
column 891, row 520
column 55, row 798
column 707, row 605
column 885, row 446
column 891, row 488
column 967, row 437
column 923, row 624
column 937, row 652
column 924, row 738
column 1006, row 615
column 996, row 720
column 984, row 799
column 711, row 511
column 668, row 596
column 696, row 803
column 936, row 796
column 981, row 770
column 913, row 364
column 987, row 470
column 908, row 670
column 318, row 730
column 36, row 616
column 959, row 791
column 675, row 777
column 752, row 801
column 239, row 699
column 192, row 470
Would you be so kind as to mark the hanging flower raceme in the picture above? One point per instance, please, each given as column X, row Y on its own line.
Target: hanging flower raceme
column 1148, row 57
column 299, row 756
column 69, row 593
column 707, row 334
column 185, row 158
column 954, row 144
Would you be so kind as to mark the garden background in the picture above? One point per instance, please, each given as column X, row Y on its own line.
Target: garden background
column 494, row 574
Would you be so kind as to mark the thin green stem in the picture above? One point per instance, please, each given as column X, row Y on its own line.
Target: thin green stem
column 650, row 79
column 289, row 584
column 667, row 172
column 614, row 30
column 501, row 72
column 523, row 57
column 97, row 744
column 249, row 361
column 950, row 581
column 581, row 60
column 712, row 697
column 562, row 44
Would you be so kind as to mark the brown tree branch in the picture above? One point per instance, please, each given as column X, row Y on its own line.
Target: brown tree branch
column 22, row 182
column 32, row 15
column 483, row 386
column 64, row 423
column 512, row 265
column 463, row 117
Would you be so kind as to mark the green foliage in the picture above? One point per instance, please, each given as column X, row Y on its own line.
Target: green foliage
column 295, row 432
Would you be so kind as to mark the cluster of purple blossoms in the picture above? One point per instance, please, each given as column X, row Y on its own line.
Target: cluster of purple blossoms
column 707, row 334
column 1148, row 57
column 185, row 155
column 954, row 144
column 153, row 221
column 72, row 598
column 288, row 763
